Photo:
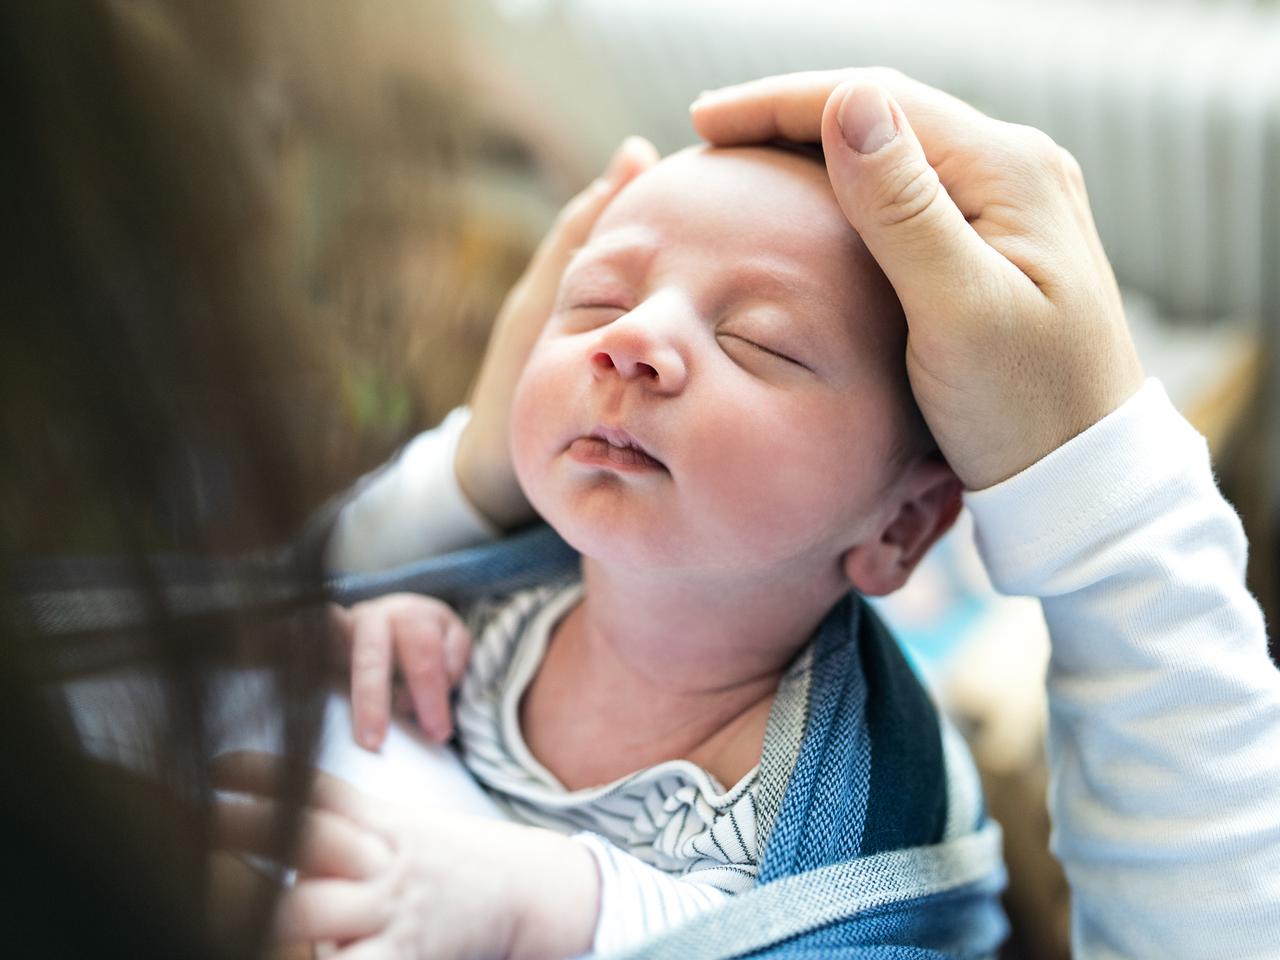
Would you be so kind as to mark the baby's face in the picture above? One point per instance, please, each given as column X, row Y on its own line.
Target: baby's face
column 721, row 383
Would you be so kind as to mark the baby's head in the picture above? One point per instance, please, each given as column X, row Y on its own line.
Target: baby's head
column 721, row 388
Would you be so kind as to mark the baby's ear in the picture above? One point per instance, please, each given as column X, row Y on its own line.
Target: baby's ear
column 928, row 499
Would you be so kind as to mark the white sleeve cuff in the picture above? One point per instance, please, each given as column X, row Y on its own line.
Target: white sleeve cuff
column 638, row 901
column 1052, row 514
column 411, row 508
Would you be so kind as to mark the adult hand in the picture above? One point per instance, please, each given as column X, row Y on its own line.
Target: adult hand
column 1017, row 339
column 483, row 464
column 383, row 883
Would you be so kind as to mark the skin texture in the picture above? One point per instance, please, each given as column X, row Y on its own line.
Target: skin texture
column 386, row 882
column 483, row 462
column 725, row 318
column 674, row 323
column 738, row 368
column 1017, row 340
column 419, row 635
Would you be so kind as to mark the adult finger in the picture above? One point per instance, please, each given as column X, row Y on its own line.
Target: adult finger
column 332, row 845
column 325, row 909
column 898, row 204
column 420, row 650
column 633, row 156
column 371, row 666
column 790, row 106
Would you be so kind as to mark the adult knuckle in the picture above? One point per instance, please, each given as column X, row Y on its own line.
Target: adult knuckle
column 1035, row 141
column 1043, row 152
column 887, row 76
column 907, row 193
column 1072, row 172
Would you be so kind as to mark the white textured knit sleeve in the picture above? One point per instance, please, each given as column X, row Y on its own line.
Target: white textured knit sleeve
column 1164, row 730
column 638, row 901
column 409, row 509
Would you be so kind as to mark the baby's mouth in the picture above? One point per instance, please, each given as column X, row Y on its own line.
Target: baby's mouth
column 613, row 447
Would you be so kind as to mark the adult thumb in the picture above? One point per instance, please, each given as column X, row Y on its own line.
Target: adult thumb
column 897, row 203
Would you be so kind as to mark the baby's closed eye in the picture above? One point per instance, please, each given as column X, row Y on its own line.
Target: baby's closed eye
column 733, row 342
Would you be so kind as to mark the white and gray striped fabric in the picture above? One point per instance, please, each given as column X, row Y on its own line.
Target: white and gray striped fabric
column 673, row 816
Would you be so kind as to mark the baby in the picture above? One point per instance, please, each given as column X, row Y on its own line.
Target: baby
column 717, row 418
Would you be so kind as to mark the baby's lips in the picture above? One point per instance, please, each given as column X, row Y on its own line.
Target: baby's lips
column 620, row 437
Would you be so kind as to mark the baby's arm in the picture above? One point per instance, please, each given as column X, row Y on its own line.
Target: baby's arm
column 430, row 643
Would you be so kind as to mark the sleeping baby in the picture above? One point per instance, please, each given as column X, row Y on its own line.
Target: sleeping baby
column 717, row 418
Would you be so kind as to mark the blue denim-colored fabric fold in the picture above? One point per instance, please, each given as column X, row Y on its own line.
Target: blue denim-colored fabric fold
column 854, row 859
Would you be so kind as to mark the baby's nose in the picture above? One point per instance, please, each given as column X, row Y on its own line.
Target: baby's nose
column 627, row 366
column 636, row 355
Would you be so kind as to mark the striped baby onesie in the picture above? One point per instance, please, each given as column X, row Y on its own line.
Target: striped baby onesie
column 673, row 817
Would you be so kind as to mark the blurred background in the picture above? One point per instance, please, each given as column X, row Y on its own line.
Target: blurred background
column 411, row 154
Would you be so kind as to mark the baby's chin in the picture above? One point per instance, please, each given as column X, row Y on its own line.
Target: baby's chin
column 610, row 537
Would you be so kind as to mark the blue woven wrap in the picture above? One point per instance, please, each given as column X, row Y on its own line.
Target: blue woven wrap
column 869, row 847
column 861, row 859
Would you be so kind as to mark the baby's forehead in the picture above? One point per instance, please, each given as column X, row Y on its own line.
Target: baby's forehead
column 737, row 170
column 763, row 220
column 742, row 201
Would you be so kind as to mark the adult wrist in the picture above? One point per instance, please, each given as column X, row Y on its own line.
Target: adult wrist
column 1051, row 512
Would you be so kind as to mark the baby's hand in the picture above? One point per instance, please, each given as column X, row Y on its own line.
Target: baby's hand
column 428, row 641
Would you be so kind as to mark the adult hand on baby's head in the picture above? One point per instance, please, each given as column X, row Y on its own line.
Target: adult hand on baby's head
column 483, row 462
column 1017, row 339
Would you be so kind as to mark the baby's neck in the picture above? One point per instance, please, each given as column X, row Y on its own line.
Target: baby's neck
column 648, row 669
column 694, row 636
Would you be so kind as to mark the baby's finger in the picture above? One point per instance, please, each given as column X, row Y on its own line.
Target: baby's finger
column 420, row 648
column 341, row 910
column 371, row 679
column 343, row 631
column 258, row 774
column 332, row 845
column 457, row 649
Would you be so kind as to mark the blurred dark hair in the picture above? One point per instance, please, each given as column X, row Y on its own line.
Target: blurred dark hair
column 162, row 395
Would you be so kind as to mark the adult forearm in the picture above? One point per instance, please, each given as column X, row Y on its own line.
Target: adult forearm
column 1164, row 706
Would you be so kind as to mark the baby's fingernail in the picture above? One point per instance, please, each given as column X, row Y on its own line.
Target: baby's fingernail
column 865, row 119
column 369, row 739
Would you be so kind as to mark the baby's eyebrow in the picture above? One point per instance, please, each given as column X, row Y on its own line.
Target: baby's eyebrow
column 617, row 245
column 772, row 278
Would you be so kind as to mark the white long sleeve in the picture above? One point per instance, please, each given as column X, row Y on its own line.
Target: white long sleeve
column 409, row 509
column 1164, row 730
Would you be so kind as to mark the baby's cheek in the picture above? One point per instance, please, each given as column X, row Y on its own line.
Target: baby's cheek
column 529, row 425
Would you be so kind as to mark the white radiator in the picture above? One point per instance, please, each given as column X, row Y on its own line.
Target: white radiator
column 1172, row 110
